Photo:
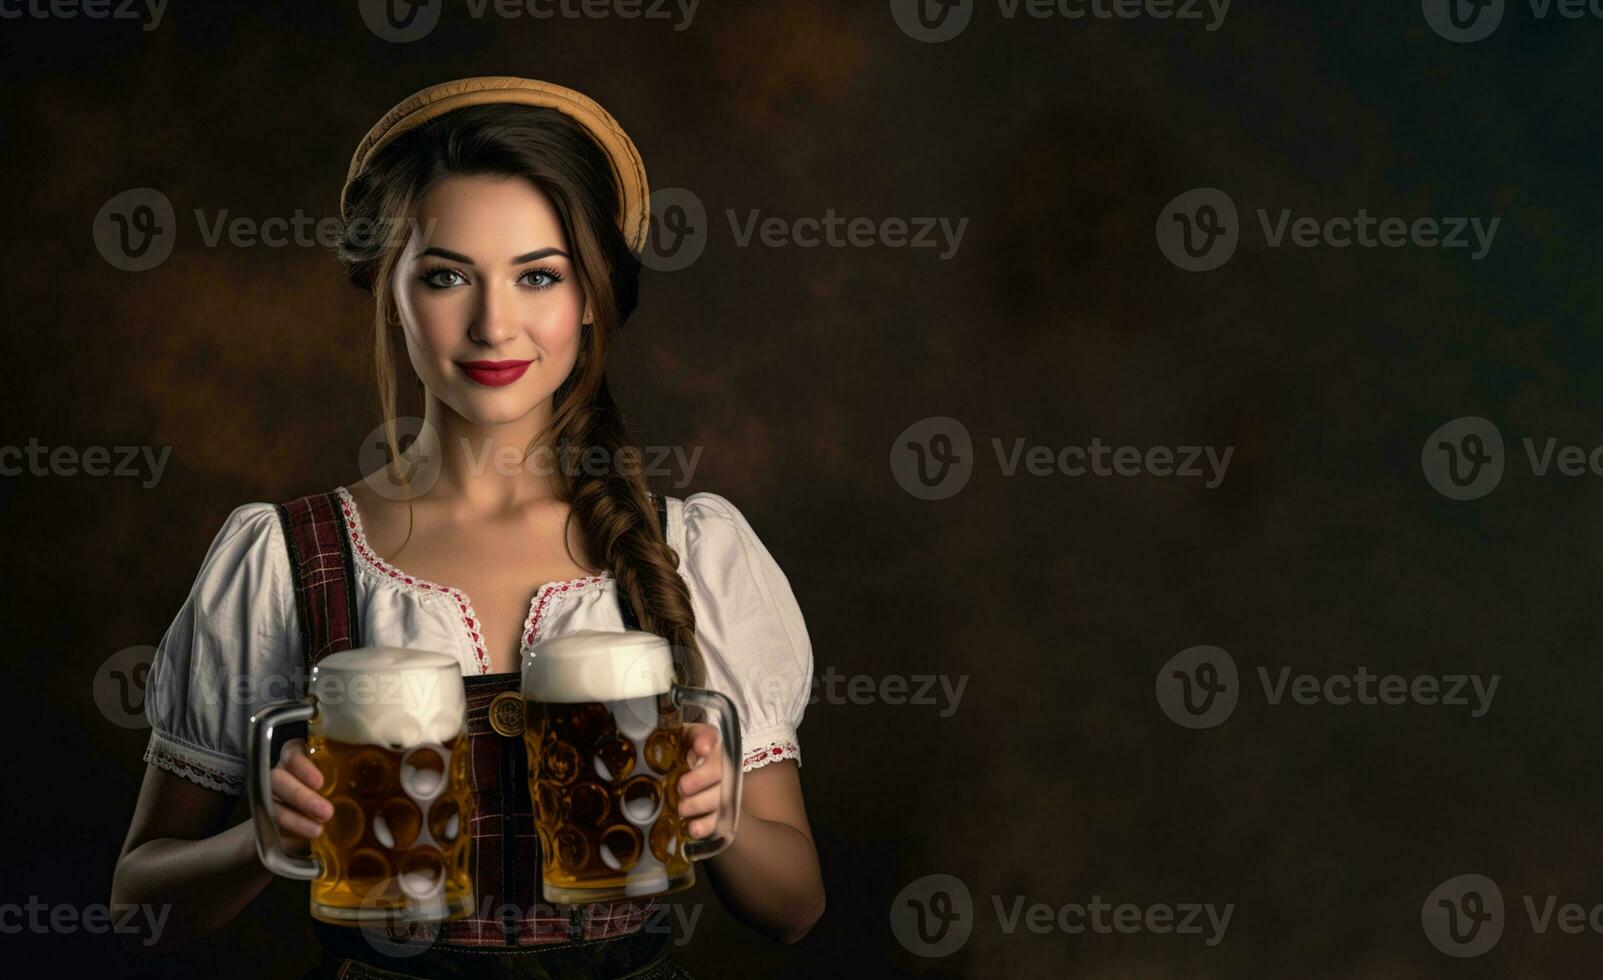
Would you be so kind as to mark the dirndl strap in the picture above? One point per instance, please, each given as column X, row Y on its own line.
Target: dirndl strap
column 325, row 576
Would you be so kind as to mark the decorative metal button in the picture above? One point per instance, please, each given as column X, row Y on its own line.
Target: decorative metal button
column 506, row 713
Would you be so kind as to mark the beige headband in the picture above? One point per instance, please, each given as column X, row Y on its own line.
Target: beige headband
column 629, row 172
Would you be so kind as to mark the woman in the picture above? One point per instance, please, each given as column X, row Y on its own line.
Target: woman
column 496, row 222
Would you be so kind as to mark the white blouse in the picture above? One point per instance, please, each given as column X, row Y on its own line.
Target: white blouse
column 235, row 643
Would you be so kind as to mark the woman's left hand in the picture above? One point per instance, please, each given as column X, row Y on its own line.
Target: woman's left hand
column 699, row 788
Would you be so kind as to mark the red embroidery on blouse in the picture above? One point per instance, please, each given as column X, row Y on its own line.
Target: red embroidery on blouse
column 544, row 600
column 353, row 521
column 772, row 752
column 470, row 621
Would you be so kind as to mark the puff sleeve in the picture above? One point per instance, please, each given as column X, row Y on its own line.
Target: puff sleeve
column 233, row 647
column 749, row 628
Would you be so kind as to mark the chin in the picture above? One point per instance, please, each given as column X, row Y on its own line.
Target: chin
column 494, row 407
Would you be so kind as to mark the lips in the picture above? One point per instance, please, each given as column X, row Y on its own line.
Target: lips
column 493, row 374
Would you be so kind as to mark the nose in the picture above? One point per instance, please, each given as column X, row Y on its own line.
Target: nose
column 496, row 320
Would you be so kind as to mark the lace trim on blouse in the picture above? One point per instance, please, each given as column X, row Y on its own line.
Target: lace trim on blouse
column 549, row 598
column 165, row 753
column 539, row 605
column 770, row 752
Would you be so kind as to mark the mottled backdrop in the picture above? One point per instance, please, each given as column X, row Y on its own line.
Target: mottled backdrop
column 1331, row 543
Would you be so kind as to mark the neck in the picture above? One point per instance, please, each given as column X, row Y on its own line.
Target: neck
column 482, row 468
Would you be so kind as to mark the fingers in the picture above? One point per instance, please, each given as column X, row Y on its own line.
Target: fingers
column 703, row 807
column 300, row 810
column 294, row 822
column 700, row 743
column 295, row 760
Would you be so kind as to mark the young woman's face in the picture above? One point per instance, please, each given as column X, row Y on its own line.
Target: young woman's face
column 488, row 297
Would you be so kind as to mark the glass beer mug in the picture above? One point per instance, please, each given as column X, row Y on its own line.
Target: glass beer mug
column 602, row 730
column 387, row 728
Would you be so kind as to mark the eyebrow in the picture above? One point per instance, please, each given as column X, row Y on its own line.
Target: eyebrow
column 446, row 253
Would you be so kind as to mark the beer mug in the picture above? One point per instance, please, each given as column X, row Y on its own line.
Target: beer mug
column 387, row 728
column 602, row 730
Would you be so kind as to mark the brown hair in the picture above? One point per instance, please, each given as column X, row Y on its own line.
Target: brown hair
column 610, row 503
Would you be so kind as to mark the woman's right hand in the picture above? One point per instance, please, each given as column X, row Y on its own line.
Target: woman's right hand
column 300, row 810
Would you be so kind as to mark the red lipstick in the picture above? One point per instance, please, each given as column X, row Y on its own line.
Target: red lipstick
column 493, row 374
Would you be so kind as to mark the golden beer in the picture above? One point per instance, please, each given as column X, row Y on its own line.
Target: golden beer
column 603, row 732
column 387, row 728
column 399, row 833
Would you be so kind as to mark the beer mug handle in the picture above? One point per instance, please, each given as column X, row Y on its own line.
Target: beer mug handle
column 259, row 783
column 729, row 787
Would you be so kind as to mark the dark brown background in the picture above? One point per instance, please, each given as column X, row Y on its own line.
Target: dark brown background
column 1058, row 778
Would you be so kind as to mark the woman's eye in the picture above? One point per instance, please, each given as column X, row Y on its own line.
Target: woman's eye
column 433, row 278
column 543, row 278
column 446, row 278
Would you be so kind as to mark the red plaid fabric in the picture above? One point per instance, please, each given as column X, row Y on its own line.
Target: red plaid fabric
column 508, row 910
column 325, row 578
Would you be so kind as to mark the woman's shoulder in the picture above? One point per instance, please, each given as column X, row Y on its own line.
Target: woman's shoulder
column 249, row 526
column 709, row 524
column 247, row 551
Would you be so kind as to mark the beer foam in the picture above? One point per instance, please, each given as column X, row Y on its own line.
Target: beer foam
column 389, row 696
column 597, row 665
